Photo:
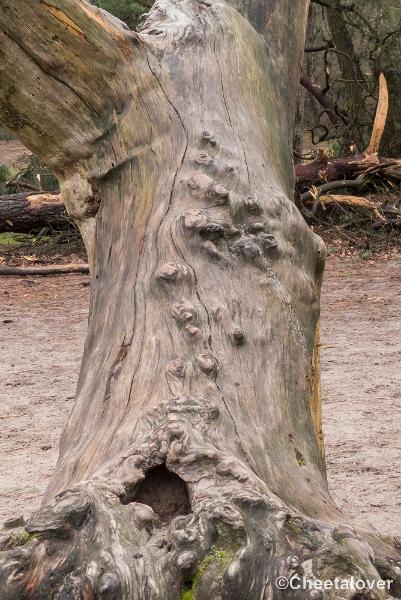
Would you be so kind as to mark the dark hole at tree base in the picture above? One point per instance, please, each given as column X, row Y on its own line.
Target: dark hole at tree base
column 164, row 492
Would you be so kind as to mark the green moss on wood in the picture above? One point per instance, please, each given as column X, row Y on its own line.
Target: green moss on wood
column 18, row 537
column 220, row 556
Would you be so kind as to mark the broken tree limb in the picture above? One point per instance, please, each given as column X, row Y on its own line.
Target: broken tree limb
column 45, row 270
column 380, row 118
column 354, row 201
column 24, row 212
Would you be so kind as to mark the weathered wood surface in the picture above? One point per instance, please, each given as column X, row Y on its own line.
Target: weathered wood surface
column 25, row 212
column 199, row 377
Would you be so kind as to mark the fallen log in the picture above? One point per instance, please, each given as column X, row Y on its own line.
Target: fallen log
column 25, row 212
column 326, row 169
column 45, row 270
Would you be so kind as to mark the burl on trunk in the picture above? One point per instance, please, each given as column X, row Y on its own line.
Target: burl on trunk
column 192, row 464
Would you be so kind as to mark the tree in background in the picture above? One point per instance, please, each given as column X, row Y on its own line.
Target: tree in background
column 349, row 44
column 128, row 11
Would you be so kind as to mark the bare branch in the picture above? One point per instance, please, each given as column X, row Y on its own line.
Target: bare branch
column 324, row 101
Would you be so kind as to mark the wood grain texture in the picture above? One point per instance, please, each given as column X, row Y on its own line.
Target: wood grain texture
column 199, row 360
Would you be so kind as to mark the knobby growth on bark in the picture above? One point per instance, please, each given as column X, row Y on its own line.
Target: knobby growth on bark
column 192, row 463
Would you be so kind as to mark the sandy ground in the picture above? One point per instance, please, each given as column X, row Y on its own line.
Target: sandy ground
column 42, row 330
column 11, row 150
column 361, row 337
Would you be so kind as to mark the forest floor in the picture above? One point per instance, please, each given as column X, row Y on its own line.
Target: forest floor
column 42, row 331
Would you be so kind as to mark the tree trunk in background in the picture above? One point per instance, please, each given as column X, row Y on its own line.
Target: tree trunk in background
column 191, row 465
column 352, row 77
column 307, row 103
column 298, row 139
column 391, row 144
column 301, row 98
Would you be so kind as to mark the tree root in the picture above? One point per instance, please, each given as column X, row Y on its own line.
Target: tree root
column 90, row 545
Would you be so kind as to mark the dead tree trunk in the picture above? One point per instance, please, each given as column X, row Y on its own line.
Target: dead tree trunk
column 191, row 465
column 24, row 212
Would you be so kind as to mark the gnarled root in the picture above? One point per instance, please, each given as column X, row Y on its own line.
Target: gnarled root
column 174, row 517
column 91, row 545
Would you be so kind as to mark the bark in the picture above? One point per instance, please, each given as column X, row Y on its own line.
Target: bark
column 25, row 212
column 191, row 465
